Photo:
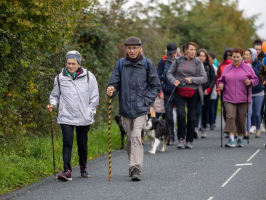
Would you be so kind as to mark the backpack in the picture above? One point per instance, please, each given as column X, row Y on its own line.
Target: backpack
column 121, row 64
column 165, row 68
column 58, row 82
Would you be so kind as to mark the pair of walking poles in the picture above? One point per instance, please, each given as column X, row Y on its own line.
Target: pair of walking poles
column 222, row 118
column 109, row 139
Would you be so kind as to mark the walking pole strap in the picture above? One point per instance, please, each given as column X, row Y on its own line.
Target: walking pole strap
column 109, row 139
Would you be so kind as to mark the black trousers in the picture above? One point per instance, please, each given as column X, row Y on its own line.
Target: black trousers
column 82, row 139
column 205, row 111
column 169, row 115
column 185, row 129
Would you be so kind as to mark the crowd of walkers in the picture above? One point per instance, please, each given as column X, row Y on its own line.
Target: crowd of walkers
column 238, row 80
column 189, row 82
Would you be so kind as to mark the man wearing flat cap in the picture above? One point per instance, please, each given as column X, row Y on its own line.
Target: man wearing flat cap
column 135, row 79
column 76, row 94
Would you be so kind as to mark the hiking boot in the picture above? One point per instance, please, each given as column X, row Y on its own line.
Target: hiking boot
column 189, row 145
column 130, row 171
column 84, row 172
column 181, row 144
column 65, row 176
column 230, row 143
column 258, row 134
column 239, row 142
column 203, row 133
column 136, row 174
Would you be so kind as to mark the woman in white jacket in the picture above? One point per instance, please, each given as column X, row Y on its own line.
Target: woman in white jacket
column 76, row 92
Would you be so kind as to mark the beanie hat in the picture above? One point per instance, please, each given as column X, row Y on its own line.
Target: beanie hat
column 171, row 48
column 133, row 41
column 75, row 55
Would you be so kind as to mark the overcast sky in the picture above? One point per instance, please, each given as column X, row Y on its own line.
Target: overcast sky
column 250, row 7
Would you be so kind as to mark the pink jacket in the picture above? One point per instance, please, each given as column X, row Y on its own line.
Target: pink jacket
column 233, row 78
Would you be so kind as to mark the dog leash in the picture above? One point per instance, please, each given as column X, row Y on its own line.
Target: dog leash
column 182, row 84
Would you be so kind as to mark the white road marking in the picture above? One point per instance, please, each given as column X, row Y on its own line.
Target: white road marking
column 244, row 164
column 211, row 198
column 235, row 173
column 253, row 155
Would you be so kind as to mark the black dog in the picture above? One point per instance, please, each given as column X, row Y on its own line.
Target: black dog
column 157, row 129
column 122, row 130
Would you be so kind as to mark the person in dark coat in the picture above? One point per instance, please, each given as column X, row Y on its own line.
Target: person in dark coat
column 136, row 80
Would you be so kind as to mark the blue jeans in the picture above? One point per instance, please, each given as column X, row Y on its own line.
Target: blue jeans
column 212, row 111
column 255, row 112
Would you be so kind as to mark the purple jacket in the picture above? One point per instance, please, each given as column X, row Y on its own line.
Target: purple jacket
column 233, row 78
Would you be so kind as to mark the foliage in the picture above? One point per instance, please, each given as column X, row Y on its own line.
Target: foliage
column 36, row 34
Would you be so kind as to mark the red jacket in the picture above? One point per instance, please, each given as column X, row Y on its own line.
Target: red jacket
column 220, row 71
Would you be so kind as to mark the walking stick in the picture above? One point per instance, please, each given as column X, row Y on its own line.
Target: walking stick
column 247, row 116
column 221, row 118
column 52, row 136
column 109, row 138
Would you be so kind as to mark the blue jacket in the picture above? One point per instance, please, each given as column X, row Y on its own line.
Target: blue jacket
column 137, row 87
column 256, row 66
column 162, row 74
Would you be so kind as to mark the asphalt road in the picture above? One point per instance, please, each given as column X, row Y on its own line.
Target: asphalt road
column 206, row 172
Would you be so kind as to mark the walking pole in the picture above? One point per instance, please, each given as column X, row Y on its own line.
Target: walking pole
column 221, row 118
column 247, row 116
column 109, row 138
column 52, row 136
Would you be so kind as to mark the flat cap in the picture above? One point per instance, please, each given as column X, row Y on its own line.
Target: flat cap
column 133, row 41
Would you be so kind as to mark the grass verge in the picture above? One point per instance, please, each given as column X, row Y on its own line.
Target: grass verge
column 29, row 159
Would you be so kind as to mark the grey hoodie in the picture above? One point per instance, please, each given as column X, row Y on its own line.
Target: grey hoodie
column 77, row 100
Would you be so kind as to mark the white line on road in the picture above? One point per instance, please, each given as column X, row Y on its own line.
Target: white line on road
column 235, row 173
column 244, row 164
column 211, row 198
column 253, row 155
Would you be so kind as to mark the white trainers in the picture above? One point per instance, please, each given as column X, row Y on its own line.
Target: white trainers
column 252, row 129
column 262, row 129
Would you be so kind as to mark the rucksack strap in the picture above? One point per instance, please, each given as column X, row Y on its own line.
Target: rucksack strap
column 121, row 64
column 58, row 82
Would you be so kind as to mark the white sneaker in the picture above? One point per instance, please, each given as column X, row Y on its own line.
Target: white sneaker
column 252, row 129
column 262, row 129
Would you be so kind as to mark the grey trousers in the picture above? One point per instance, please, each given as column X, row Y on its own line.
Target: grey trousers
column 133, row 128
